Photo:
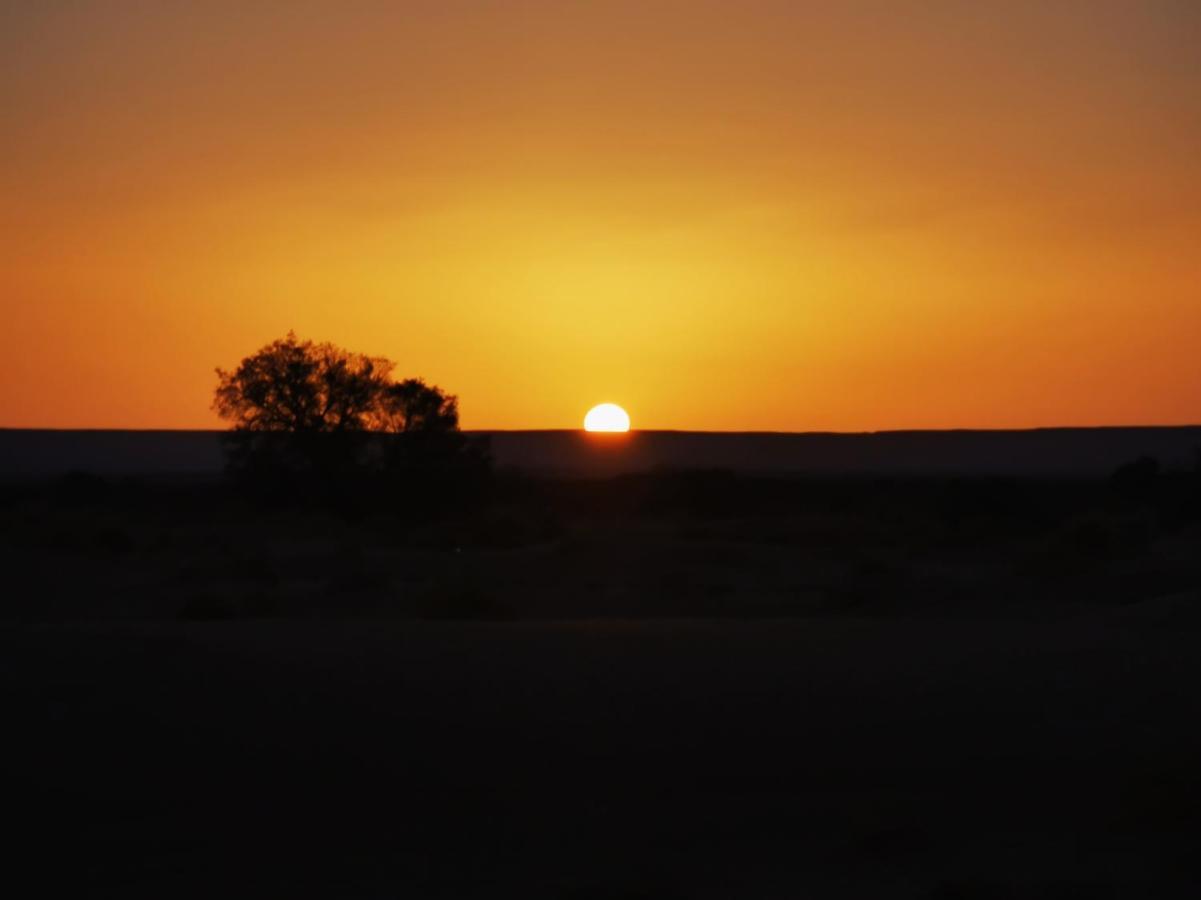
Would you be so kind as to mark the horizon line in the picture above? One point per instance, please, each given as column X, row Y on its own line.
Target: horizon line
column 580, row 430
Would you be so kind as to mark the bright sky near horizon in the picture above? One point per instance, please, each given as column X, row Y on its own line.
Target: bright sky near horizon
column 762, row 214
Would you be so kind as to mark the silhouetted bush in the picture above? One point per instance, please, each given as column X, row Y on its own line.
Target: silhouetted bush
column 459, row 596
column 1098, row 536
column 80, row 488
column 1137, row 476
column 215, row 606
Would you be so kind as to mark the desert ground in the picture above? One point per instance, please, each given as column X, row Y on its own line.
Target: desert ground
column 676, row 684
column 822, row 758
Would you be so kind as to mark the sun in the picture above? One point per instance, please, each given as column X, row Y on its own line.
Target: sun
column 607, row 417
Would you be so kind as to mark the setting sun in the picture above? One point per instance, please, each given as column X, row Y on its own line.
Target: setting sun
column 607, row 417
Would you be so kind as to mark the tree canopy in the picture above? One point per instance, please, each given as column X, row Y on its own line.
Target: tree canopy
column 304, row 387
column 300, row 409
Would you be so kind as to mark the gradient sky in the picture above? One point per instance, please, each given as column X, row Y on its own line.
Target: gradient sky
column 738, row 215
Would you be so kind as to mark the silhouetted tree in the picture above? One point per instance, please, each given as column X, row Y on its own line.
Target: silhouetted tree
column 1137, row 476
column 299, row 408
column 301, row 387
column 412, row 406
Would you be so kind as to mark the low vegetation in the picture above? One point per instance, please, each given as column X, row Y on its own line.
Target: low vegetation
column 658, row 545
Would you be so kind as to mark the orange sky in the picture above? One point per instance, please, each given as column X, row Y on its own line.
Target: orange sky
column 752, row 215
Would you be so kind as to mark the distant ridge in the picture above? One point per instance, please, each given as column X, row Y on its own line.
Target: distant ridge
column 1057, row 452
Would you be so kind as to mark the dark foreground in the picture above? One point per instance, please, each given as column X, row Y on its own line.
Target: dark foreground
column 626, row 690
column 686, row 759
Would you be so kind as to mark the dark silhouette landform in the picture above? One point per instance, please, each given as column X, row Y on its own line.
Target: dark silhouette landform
column 1048, row 452
column 658, row 665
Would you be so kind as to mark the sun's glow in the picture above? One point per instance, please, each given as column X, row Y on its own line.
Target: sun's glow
column 607, row 417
